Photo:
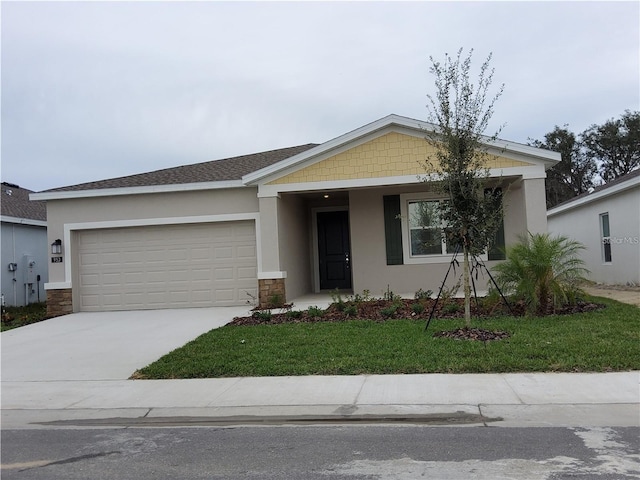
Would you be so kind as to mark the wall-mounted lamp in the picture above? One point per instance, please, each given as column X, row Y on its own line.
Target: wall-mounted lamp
column 56, row 247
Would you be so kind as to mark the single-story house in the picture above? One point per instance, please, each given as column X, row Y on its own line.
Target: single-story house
column 24, row 246
column 275, row 224
column 607, row 222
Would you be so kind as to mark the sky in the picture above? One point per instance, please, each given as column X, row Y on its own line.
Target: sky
column 96, row 90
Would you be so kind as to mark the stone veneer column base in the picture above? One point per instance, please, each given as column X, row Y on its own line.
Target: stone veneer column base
column 59, row 302
column 268, row 290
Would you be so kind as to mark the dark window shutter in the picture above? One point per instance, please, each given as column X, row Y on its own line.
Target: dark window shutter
column 497, row 247
column 393, row 229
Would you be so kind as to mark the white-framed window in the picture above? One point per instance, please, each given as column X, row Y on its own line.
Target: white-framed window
column 423, row 240
column 605, row 237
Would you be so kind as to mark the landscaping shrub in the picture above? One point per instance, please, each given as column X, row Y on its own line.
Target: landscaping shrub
column 543, row 271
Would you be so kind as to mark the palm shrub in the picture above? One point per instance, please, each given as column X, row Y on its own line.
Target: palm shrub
column 542, row 270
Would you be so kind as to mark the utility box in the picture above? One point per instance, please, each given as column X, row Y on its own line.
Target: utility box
column 29, row 269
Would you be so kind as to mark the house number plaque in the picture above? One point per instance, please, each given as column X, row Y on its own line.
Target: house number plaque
column 56, row 259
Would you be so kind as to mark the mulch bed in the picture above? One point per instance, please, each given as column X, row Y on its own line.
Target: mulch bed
column 473, row 334
column 383, row 310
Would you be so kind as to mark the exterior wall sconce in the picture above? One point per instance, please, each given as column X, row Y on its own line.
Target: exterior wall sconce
column 56, row 247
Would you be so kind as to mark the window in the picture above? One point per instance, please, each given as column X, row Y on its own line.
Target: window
column 425, row 228
column 423, row 239
column 606, row 237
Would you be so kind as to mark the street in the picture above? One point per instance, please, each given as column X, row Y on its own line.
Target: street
column 322, row 452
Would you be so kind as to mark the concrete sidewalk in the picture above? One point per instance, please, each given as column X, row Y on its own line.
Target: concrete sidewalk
column 539, row 399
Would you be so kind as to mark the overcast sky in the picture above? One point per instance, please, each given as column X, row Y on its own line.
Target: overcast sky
column 101, row 90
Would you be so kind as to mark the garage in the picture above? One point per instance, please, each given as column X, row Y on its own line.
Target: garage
column 166, row 266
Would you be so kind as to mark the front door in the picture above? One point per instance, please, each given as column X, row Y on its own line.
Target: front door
column 333, row 250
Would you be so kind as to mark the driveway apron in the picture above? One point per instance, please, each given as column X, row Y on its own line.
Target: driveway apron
column 105, row 345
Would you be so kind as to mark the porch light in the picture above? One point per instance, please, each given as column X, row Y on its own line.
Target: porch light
column 56, row 247
column 326, row 195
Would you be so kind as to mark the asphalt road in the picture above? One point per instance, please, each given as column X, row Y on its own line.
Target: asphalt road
column 325, row 452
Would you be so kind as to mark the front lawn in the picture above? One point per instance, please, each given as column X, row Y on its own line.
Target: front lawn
column 599, row 341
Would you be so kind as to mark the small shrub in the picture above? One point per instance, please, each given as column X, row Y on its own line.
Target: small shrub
column 294, row 313
column 389, row 296
column 364, row 297
column 276, row 301
column 389, row 311
column 315, row 312
column 351, row 310
column 262, row 315
column 417, row 308
column 423, row 295
column 451, row 308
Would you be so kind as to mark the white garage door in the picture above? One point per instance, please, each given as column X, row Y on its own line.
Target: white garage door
column 167, row 266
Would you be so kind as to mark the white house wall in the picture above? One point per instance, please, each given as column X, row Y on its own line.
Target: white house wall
column 583, row 224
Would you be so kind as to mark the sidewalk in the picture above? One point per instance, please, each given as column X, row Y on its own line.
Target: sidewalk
column 538, row 399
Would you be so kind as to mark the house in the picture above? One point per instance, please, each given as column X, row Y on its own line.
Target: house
column 24, row 246
column 607, row 222
column 273, row 225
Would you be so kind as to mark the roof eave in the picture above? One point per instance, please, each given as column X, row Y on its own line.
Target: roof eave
column 23, row 221
column 111, row 192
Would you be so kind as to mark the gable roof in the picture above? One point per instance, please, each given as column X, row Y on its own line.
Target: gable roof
column 548, row 157
column 16, row 206
column 620, row 184
column 223, row 170
column 251, row 169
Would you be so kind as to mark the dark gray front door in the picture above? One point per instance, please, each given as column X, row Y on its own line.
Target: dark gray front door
column 333, row 250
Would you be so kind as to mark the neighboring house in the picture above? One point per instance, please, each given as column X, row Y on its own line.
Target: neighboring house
column 24, row 246
column 607, row 222
column 276, row 224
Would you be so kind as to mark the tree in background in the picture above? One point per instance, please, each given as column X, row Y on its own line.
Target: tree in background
column 601, row 153
column 615, row 145
column 461, row 111
column 575, row 172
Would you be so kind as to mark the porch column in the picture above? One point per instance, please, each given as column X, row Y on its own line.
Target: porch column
column 535, row 204
column 271, row 289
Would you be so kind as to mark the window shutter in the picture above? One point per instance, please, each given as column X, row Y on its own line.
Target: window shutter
column 393, row 229
column 497, row 247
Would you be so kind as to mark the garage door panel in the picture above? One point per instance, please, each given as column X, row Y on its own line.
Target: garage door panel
column 167, row 266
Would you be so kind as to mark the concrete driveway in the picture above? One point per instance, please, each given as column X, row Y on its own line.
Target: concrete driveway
column 105, row 345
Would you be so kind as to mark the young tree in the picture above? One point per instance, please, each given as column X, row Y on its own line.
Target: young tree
column 615, row 145
column 462, row 111
column 575, row 172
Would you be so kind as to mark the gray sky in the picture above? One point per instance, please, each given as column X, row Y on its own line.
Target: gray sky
column 100, row 90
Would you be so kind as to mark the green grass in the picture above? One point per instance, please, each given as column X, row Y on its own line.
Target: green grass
column 605, row 340
column 14, row 317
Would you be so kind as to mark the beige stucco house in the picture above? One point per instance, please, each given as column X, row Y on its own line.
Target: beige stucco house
column 607, row 222
column 286, row 222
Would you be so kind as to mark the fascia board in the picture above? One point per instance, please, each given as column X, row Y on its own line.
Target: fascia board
column 592, row 197
column 111, row 192
column 23, row 221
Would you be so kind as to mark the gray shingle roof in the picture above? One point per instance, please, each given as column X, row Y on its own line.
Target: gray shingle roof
column 15, row 203
column 213, row 171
